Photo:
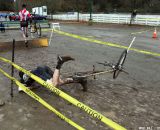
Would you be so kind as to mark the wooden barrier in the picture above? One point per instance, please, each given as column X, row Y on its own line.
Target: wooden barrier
column 40, row 42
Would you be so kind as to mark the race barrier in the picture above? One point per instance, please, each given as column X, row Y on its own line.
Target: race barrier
column 42, row 42
column 105, row 43
column 40, row 100
column 70, row 99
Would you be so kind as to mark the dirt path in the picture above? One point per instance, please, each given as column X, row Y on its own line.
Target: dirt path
column 130, row 100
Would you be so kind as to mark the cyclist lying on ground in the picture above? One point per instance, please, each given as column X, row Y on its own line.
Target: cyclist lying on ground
column 45, row 73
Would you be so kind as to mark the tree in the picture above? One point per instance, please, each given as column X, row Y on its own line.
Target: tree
column 6, row 5
column 53, row 6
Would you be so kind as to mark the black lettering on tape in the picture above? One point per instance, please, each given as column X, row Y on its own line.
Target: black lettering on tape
column 79, row 104
column 99, row 117
column 51, row 88
column 90, row 111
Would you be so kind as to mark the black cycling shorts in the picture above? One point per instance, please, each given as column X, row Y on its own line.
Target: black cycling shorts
column 24, row 23
column 44, row 72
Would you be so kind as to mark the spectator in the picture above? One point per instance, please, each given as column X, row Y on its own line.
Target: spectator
column 133, row 16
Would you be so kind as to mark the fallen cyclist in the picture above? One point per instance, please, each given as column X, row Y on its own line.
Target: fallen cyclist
column 45, row 73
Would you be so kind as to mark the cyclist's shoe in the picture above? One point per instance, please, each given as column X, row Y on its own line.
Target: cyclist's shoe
column 62, row 59
column 82, row 81
column 84, row 84
column 26, row 35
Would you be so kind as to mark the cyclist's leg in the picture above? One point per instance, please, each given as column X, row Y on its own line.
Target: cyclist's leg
column 26, row 31
column 23, row 33
column 134, row 18
column 25, row 36
column 82, row 81
column 56, row 75
column 23, row 30
column 56, row 80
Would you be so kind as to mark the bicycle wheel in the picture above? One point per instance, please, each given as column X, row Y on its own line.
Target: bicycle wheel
column 39, row 30
column 119, row 65
column 32, row 28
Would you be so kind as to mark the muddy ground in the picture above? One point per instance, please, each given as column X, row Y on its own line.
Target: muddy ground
column 131, row 100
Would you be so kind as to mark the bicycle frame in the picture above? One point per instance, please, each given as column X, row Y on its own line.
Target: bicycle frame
column 94, row 73
column 115, row 68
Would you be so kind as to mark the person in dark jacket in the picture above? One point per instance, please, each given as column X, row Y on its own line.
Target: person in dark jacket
column 133, row 16
column 45, row 73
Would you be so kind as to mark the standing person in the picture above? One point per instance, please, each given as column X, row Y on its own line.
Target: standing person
column 133, row 15
column 24, row 18
column 45, row 73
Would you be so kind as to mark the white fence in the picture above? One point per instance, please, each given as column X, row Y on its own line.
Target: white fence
column 152, row 20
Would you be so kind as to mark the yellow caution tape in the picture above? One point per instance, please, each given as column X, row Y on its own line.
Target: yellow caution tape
column 70, row 99
column 141, row 31
column 39, row 99
column 106, row 43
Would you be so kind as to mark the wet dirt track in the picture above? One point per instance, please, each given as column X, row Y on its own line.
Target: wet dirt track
column 131, row 100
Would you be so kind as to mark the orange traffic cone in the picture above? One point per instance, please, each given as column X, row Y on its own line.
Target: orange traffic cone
column 154, row 34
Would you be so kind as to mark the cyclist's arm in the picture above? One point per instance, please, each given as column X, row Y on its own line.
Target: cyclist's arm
column 29, row 17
